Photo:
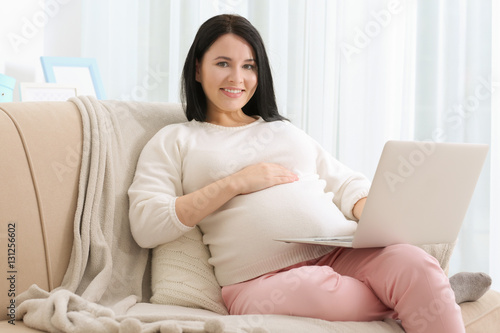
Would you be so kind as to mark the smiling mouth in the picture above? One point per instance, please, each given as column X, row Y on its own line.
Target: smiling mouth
column 233, row 91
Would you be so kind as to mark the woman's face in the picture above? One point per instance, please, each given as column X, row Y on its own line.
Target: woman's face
column 228, row 75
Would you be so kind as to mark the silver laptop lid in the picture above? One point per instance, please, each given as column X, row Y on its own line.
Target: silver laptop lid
column 420, row 193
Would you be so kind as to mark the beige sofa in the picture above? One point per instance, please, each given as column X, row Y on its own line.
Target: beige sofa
column 40, row 145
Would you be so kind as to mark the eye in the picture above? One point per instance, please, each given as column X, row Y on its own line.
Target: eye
column 249, row 67
column 222, row 64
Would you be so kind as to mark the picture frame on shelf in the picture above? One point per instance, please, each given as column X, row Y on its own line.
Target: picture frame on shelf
column 31, row 92
column 82, row 73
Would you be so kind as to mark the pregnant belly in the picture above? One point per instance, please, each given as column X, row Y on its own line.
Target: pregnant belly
column 298, row 209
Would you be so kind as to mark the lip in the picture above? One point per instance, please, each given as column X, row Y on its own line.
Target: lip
column 232, row 92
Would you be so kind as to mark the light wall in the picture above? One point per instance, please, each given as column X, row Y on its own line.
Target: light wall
column 32, row 28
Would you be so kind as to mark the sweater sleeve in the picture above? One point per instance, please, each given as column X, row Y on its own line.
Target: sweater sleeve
column 156, row 185
column 347, row 185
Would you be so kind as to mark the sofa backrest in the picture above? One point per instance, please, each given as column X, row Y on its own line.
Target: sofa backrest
column 40, row 154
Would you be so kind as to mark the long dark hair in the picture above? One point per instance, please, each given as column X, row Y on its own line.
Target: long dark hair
column 262, row 103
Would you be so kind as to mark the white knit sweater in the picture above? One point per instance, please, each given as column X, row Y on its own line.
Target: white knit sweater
column 183, row 158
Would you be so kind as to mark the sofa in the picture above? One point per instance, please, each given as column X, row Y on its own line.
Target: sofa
column 41, row 148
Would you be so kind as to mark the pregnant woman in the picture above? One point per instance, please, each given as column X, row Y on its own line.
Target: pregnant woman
column 245, row 175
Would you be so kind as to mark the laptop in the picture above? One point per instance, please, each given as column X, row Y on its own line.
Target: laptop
column 419, row 195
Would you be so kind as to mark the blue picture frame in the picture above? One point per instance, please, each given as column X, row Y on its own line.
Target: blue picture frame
column 49, row 63
column 7, row 85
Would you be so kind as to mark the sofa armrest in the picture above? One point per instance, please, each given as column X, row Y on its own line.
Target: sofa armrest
column 39, row 170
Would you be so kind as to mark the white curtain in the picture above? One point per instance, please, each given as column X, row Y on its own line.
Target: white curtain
column 494, row 241
column 421, row 70
column 352, row 73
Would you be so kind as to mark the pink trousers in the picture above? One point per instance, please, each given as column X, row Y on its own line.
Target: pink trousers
column 399, row 281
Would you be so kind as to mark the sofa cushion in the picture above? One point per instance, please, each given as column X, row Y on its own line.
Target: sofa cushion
column 482, row 315
column 181, row 274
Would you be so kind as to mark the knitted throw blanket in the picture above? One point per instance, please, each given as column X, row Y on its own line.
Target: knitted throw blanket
column 107, row 271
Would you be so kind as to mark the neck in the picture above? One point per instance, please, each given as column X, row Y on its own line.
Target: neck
column 229, row 119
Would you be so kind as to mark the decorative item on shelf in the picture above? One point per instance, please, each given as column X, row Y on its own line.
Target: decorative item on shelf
column 81, row 73
column 7, row 85
column 30, row 92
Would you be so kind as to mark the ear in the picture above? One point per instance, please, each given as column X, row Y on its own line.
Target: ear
column 198, row 76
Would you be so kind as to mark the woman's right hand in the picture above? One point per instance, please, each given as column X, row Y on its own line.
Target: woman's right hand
column 195, row 206
column 260, row 176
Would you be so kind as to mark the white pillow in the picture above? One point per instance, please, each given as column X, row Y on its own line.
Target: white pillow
column 181, row 275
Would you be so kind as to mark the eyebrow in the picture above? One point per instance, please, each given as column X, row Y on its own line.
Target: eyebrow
column 229, row 59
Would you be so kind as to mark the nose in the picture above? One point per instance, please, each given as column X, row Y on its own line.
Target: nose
column 236, row 75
